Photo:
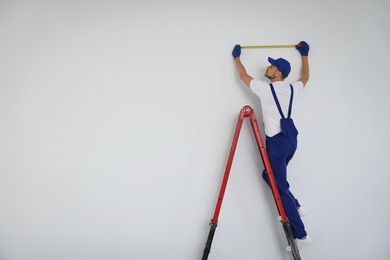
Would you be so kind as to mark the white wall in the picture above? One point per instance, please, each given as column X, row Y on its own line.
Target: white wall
column 117, row 118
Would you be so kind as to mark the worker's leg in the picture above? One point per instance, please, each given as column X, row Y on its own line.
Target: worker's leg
column 288, row 200
column 265, row 177
column 291, row 147
column 279, row 149
column 289, row 157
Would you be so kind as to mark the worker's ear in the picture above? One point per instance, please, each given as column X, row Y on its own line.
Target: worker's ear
column 279, row 74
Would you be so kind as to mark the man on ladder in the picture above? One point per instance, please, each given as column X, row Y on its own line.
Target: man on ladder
column 277, row 99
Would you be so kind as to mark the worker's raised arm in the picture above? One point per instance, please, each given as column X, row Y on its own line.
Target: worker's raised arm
column 303, row 48
column 240, row 67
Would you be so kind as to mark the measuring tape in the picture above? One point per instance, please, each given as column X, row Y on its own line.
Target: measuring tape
column 268, row 46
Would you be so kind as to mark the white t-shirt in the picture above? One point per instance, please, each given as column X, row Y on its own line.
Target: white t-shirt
column 271, row 115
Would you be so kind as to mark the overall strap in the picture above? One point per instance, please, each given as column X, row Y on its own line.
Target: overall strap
column 277, row 101
column 291, row 101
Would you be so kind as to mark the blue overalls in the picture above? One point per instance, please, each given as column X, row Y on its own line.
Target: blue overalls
column 281, row 149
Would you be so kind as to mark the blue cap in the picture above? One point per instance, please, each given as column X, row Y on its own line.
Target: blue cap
column 282, row 65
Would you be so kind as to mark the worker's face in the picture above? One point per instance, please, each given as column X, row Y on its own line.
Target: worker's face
column 271, row 72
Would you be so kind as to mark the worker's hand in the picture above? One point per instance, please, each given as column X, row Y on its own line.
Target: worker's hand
column 303, row 48
column 236, row 51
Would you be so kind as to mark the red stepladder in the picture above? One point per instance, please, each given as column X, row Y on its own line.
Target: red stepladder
column 247, row 111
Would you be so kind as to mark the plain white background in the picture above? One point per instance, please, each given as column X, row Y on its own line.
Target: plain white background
column 116, row 119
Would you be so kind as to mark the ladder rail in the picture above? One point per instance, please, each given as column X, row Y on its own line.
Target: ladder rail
column 214, row 220
column 267, row 166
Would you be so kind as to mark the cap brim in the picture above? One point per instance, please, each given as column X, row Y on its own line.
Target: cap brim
column 272, row 61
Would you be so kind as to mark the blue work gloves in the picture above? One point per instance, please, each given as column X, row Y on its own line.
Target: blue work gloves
column 236, row 51
column 303, row 48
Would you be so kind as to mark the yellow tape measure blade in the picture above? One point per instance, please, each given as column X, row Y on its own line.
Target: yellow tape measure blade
column 268, row 46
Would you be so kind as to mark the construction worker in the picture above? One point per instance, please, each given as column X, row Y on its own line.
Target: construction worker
column 277, row 100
